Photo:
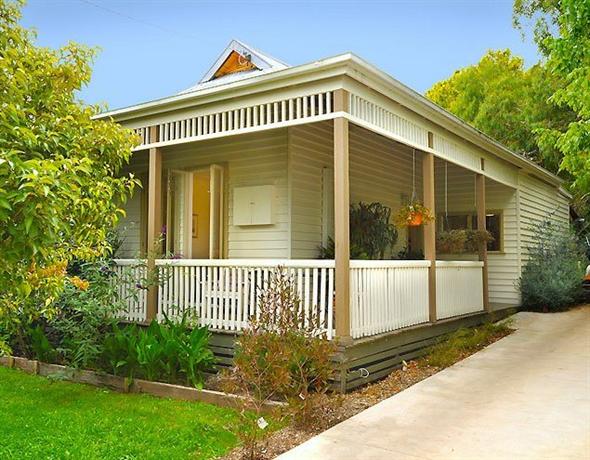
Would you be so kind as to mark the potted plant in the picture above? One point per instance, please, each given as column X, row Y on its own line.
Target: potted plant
column 413, row 214
column 478, row 239
column 451, row 241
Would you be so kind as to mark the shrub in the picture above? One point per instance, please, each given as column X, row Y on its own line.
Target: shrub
column 552, row 277
column 282, row 355
column 371, row 233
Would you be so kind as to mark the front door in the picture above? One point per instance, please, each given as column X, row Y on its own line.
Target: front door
column 194, row 216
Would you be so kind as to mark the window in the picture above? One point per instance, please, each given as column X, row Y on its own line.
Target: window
column 459, row 221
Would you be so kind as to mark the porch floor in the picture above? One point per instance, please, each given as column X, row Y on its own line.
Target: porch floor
column 525, row 396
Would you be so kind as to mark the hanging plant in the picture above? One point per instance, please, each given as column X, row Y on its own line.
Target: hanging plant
column 451, row 241
column 412, row 215
column 477, row 240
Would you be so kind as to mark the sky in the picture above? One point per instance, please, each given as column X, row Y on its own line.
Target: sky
column 156, row 48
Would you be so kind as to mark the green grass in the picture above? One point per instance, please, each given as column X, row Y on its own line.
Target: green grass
column 465, row 341
column 45, row 419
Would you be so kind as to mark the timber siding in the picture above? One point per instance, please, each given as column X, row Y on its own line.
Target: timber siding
column 538, row 202
column 380, row 170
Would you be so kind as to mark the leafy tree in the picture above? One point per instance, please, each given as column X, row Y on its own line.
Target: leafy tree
column 562, row 32
column 507, row 102
column 60, row 182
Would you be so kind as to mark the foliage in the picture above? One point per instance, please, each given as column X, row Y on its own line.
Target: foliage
column 465, row 341
column 458, row 241
column 328, row 251
column 451, row 241
column 61, row 185
column 172, row 351
column 552, row 276
column 86, row 310
column 507, row 102
column 284, row 354
column 408, row 254
column 69, row 420
column 414, row 213
column 371, row 230
column 371, row 233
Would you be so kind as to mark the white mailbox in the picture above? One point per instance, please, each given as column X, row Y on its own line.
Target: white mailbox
column 253, row 205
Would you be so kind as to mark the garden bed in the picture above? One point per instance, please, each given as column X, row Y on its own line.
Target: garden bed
column 336, row 408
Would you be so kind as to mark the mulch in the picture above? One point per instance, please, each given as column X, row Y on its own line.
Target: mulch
column 335, row 408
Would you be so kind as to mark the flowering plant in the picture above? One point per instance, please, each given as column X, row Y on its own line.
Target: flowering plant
column 413, row 214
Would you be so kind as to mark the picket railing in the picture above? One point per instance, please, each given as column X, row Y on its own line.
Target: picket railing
column 386, row 295
column 223, row 294
column 459, row 288
column 130, row 280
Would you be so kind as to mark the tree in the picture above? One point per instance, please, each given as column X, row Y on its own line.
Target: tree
column 507, row 102
column 60, row 182
column 562, row 33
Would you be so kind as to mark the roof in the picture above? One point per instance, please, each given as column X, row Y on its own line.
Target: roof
column 271, row 72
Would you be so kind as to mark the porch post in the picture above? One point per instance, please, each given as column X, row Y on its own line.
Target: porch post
column 341, row 219
column 154, row 221
column 430, row 227
column 480, row 192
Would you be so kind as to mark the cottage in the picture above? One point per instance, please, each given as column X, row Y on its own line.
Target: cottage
column 256, row 166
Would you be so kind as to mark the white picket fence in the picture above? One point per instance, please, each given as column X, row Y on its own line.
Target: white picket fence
column 459, row 288
column 130, row 280
column 223, row 293
column 386, row 295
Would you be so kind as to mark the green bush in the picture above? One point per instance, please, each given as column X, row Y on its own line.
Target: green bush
column 175, row 351
column 371, row 232
column 552, row 277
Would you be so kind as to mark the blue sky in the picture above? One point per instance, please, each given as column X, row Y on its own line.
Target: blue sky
column 155, row 48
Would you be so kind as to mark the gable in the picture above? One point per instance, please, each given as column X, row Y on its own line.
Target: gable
column 238, row 61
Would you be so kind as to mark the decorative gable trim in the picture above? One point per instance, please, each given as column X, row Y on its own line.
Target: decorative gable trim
column 257, row 59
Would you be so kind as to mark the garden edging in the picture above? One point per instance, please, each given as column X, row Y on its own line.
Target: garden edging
column 126, row 385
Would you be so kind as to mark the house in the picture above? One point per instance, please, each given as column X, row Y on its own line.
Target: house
column 256, row 165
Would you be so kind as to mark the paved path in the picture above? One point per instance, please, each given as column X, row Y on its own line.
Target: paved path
column 525, row 397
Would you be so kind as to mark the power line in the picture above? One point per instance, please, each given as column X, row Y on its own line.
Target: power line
column 139, row 21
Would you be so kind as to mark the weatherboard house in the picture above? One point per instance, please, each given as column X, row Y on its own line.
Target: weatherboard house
column 256, row 166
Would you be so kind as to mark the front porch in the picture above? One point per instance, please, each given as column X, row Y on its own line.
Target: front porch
column 296, row 184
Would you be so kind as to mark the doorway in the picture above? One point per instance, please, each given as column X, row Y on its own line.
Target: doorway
column 194, row 213
column 201, row 215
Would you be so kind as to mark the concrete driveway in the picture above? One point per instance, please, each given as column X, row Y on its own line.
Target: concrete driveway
column 526, row 396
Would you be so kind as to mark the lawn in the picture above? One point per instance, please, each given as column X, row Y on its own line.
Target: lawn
column 42, row 418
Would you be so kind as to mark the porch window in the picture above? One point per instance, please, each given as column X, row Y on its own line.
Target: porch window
column 460, row 221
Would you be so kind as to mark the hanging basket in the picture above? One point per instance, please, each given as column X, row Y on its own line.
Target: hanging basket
column 413, row 215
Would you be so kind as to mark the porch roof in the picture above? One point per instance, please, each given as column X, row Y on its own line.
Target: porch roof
column 278, row 75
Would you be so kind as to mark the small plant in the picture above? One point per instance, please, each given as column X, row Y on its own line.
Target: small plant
column 552, row 277
column 412, row 215
column 371, row 232
column 477, row 240
column 463, row 342
column 175, row 351
column 451, row 241
column 283, row 355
